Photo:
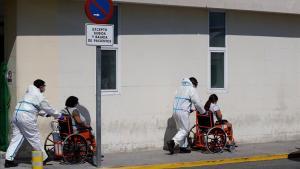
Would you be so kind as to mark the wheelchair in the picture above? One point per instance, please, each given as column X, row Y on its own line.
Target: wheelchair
column 207, row 135
column 72, row 147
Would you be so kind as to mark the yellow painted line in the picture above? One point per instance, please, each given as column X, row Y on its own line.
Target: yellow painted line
column 207, row 162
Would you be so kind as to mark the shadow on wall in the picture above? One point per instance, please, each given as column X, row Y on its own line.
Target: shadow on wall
column 136, row 19
column 262, row 24
column 170, row 131
column 85, row 113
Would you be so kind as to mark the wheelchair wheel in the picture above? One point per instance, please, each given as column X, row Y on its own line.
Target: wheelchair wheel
column 215, row 140
column 75, row 149
column 49, row 146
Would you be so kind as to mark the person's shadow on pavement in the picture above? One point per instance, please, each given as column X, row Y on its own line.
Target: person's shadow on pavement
column 170, row 131
column 24, row 153
column 295, row 156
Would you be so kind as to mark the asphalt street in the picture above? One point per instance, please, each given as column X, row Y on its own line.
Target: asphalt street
column 272, row 164
column 260, row 155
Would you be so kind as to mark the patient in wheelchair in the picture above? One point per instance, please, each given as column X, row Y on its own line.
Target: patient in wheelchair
column 79, row 124
column 211, row 106
column 78, row 121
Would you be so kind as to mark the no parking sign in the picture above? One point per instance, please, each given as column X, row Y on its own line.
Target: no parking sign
column 99, row 11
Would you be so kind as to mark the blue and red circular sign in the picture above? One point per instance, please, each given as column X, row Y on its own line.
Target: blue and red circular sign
column 99, row 11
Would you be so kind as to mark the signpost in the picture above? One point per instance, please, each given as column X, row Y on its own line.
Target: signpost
column 99, row 12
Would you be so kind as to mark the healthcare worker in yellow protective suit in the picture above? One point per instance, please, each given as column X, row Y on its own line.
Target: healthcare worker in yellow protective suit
column 186, row 96
column 24, row 121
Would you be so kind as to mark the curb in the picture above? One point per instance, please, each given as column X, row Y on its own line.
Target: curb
column 206, row 162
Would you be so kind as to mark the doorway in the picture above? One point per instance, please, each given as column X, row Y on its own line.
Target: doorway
column 1, row 31
column 4, row 92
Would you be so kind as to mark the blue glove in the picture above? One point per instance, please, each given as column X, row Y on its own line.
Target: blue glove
column 61, row 117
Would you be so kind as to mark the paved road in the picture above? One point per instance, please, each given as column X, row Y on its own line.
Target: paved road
column 273, row 164
column 278, row 151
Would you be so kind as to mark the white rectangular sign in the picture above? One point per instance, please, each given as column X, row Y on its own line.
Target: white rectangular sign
column 99, row 35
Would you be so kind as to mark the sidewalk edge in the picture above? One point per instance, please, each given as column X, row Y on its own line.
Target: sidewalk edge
column 205, row 162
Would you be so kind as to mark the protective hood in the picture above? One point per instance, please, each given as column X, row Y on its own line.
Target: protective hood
column 33, row 90
column 186, row 82
column 34, row 93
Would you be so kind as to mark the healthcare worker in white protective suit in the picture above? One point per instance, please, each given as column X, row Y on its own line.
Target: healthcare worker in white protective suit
column 24, row 121
column 186, row 96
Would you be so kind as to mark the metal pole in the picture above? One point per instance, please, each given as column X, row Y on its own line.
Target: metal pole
column 98, row 105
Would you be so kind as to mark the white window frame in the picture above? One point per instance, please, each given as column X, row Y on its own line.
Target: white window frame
column 218, row 50
column 219, row 90
column 115, row 47
column 113, row 91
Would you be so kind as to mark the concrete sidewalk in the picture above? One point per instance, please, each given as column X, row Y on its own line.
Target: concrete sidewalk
column 155, row 157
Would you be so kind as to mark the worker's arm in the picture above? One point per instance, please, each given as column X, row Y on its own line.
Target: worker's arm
column 196, row 101
column 47, row 110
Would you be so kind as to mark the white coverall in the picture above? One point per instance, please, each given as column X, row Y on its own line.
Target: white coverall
column 24, row 122
column 186, row 96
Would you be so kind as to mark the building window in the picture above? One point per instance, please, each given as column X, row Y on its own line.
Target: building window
column 108, row 68
column 217, row 69
column 109, row 61
column 217, row 29
column 217, row 50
